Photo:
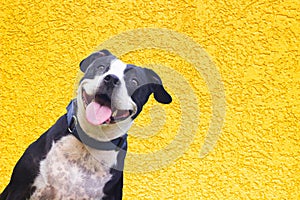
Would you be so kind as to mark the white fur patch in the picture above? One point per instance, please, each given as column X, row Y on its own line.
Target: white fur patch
column 70, row 171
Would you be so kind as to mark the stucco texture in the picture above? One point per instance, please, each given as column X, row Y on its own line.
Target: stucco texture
column 253, row 44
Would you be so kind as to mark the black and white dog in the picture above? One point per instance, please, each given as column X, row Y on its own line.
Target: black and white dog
column 82, row 155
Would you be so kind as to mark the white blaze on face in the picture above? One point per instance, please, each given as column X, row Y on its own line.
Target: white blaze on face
column 120, row 98
column 117, row 68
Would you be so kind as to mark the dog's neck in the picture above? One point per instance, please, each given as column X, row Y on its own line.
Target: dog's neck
column 75, row 129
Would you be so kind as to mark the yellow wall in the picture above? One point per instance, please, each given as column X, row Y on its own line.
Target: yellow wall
column 254, row 44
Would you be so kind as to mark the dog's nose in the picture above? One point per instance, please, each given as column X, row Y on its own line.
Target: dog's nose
column 111, row 80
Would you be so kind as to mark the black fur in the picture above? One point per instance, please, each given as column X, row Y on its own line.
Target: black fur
column 141, row 83
column 84, row 64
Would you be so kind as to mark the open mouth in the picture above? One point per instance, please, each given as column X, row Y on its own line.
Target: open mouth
column 100, row 111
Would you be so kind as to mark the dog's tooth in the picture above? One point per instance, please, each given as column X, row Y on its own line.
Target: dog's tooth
column 115, row 113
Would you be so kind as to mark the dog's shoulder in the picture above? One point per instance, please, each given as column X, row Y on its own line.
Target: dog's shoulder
column 29, row 164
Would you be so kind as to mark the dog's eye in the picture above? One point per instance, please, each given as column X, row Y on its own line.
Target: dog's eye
column 100, row 67
column 134, row 82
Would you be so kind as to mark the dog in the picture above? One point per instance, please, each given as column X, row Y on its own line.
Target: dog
column 82, row 155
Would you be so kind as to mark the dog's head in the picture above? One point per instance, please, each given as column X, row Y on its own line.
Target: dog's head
column 111, row 94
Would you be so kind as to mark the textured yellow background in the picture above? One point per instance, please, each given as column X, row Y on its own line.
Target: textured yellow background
column 254, row 44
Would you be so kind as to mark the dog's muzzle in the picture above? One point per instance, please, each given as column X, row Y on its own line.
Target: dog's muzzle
column 99, row 108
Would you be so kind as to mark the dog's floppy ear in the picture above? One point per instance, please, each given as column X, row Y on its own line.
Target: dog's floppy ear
column 160, row 94
column 87, row 61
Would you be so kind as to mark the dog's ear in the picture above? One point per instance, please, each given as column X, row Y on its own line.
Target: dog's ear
column 148, row 82
column 160, row 94
column 87, row 61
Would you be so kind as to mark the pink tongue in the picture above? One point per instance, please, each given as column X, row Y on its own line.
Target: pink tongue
column 97, row 114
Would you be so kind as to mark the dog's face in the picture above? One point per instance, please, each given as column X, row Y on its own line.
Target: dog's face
column 111, row 94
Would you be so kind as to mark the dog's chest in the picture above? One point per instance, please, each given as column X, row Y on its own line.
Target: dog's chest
column 70, row 171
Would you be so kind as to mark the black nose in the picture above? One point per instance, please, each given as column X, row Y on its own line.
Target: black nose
column 111, row 80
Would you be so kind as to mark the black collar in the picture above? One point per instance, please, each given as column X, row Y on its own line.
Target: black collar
column 75, row 129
